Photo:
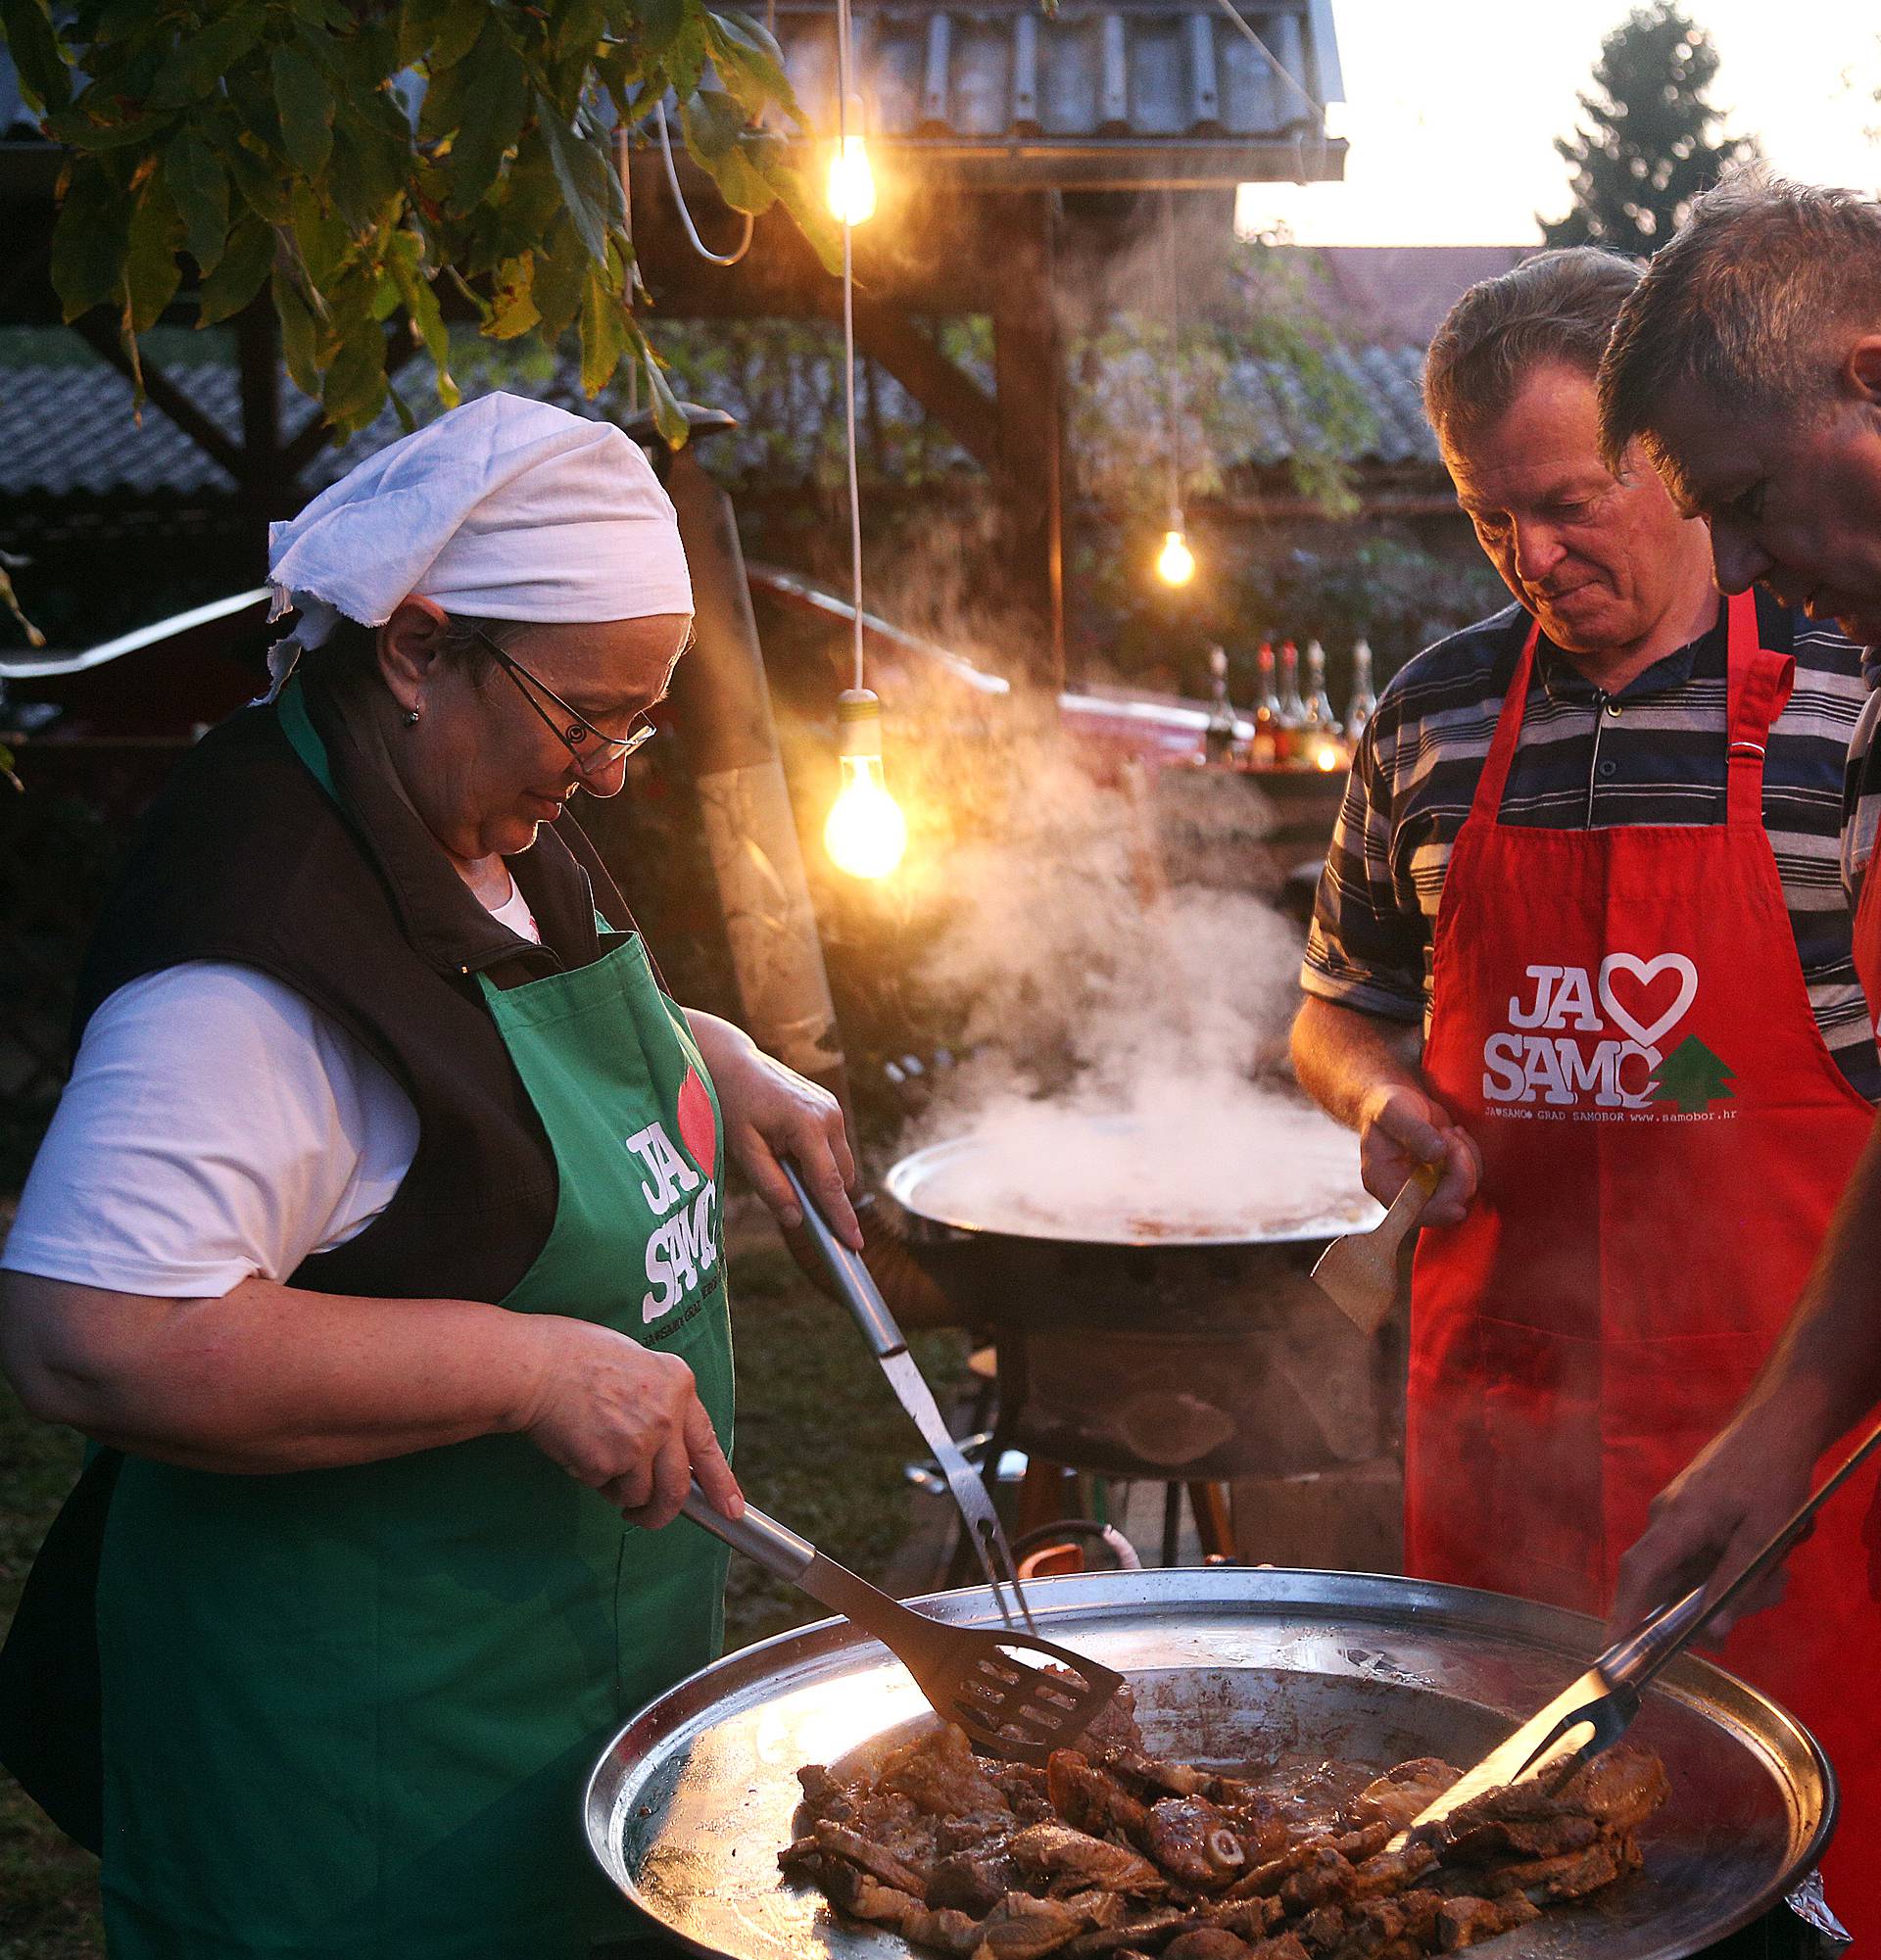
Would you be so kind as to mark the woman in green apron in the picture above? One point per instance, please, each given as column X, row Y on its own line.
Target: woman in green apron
column 376, row 1248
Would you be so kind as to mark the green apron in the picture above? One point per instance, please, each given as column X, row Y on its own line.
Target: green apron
column 350, row 1712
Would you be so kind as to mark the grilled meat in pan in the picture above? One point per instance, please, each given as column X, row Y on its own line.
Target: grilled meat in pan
column 1112, row 1854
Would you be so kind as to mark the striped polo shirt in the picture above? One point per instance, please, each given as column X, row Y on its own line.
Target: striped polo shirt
column 1861, row 787
column 1653, row 753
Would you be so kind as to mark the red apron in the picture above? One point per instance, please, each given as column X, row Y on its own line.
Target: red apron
column 1621, row 1022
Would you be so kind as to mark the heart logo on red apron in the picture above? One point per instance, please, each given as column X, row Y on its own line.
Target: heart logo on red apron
column 1646, row 972
column 698, row 1126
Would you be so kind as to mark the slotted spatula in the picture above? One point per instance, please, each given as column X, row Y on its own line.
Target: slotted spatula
column 969, row 1674
column 1592, row 1713
column 883, row 1332
column 1359, row 1273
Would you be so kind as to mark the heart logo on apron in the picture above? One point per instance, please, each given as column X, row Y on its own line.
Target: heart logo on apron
column 1645, row 971
column 698, row 1128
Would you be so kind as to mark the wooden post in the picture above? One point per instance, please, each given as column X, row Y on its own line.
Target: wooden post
column 1028, row 362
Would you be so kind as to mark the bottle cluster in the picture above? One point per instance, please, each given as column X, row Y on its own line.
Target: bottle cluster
column 1293, row 722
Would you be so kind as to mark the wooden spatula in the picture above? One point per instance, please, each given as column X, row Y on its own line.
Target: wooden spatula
column 1359, row 1273
column 970, row 1675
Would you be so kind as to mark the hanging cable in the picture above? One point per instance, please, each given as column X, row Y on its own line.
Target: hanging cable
column 1285, row 73
column 623, row 168
column 700, row 246
column 844, row 80
column 1176, row 564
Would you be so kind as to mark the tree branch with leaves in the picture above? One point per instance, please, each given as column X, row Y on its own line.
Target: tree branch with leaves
column 352, row 161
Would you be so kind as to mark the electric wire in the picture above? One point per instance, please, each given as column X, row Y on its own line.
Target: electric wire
column 844, row 53
column 699, row 245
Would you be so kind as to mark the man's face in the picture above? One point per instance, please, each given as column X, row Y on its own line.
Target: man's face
column 1794, row 500
column 1599, row 562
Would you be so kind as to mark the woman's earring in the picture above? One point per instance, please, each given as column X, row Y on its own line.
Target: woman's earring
column 411, row 717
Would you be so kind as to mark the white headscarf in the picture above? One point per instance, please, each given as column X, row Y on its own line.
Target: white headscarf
column 504, row 507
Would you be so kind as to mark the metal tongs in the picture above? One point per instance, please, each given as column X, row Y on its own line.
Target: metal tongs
column 864, row 1301
column 1594, row 1712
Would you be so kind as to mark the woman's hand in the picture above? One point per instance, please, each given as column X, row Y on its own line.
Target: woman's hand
column 771, row 1112
column 1399, row 1128
column 623, row 1419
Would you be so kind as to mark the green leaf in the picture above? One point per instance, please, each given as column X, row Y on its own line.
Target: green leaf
column 362, row 180
column 603, row 336
column 712, row 124
column 262, row 185
column 560, row 278
column 812, row 215
column 239, row 273
column 669, row 418
column 320, row 236
column 203, row 55
column 439, row 32
column 496, row 83
column 353, row 391
column 82, row 130
column 89, row 240
column 740, row 182
column 581, row 169
column 582, row 23
column 304, row 101
column 750, row 65
column 513, row 306
column 300, row 336
column 151, row 271
column 199, row 188
column 39, row 56
column 659, row 23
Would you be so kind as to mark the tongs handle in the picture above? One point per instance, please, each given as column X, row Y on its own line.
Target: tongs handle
column 852, row 1278
column 1633, row 1660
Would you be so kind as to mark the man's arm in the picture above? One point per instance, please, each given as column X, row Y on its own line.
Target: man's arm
column 1823, row 1376
column 1359, row 1069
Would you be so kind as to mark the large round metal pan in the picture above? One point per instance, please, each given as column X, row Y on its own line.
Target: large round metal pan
column 690, row 1802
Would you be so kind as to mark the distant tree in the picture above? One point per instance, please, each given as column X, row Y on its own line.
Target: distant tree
column 1650, row 141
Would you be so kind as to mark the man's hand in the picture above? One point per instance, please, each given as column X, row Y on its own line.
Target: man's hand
column 771, row 1112
column 1399, row 1128
column 1714, row 1519
column 623, row 1419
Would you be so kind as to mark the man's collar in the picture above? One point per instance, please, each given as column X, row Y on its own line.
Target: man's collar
column 1564, row 682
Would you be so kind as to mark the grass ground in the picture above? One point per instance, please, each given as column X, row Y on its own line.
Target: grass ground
column 821, row 1445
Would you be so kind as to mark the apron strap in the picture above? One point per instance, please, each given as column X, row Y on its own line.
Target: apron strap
column 1759, row 689
column 1494, row 779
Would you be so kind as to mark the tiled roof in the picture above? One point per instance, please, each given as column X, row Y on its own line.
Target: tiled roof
column 1004, row 94
column 67, row 428
column 1088, row 95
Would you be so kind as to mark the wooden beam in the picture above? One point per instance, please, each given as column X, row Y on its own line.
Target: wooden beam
column 95, row 329
column 948, row 394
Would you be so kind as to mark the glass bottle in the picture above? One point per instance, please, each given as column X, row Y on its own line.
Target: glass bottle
column 1265, row 752
column 1364, row 703
column 1290, row 714
column 1322, row 743
column 1218, row 739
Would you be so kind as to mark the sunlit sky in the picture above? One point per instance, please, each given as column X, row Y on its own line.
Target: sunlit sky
column 1452, row 107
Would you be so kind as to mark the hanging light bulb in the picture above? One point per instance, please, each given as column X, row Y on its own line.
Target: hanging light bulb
column 866, row 833
column 1175, row 563
column 851, row 186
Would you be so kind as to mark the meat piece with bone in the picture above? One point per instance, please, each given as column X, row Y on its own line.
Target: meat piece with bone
column 1404, row 1793
column 1022, row 1927
column 939, row 1773
column 1192, row 1840
column 1206, row 1943
column 975, row 1878
column 1094, row 1801
column 1057, row 1851
column 838, row 1841
column 1464, row 1922
column 1621, row 1788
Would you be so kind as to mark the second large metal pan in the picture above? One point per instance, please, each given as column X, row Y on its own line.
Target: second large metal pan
column 690, row 1803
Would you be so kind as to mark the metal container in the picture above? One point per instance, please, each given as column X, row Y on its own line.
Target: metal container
column 1143, row 1357
column 688, row 1805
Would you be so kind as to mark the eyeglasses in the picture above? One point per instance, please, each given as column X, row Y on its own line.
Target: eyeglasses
column 592, row 750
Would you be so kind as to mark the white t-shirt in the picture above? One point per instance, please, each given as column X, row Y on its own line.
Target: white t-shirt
column 217, row 1126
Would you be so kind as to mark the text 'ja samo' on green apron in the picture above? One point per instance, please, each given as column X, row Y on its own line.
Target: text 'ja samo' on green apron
column 349, row 1713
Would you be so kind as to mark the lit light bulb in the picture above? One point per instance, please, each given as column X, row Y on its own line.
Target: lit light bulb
column 1329, row 757
column 852, row 188
column 866, row 833
column 1175, row 563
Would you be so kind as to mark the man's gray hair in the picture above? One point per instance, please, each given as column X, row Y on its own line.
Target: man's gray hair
column 1751, row 302
column 1555, row 309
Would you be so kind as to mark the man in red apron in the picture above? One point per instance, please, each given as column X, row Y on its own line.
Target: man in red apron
column 1748, row 367
column 1646, row 1067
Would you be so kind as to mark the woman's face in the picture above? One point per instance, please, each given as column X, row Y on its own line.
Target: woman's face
column 485, row 764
